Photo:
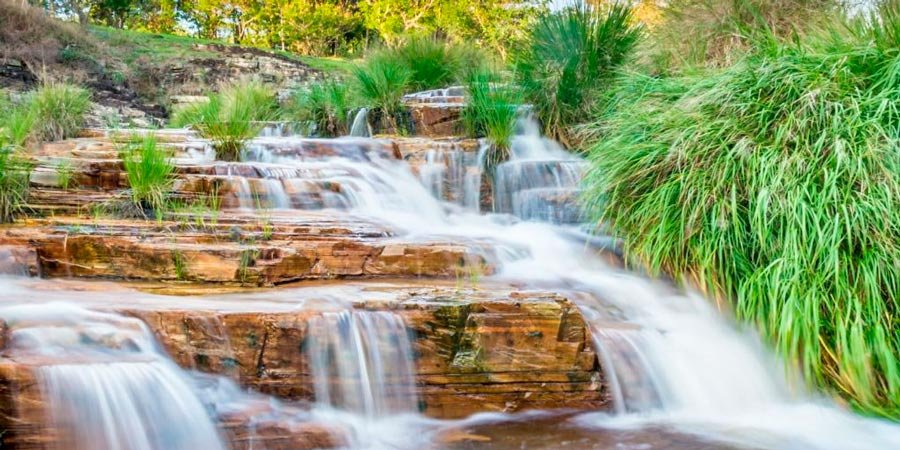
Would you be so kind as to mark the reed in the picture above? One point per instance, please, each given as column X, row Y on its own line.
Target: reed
column 775, row 182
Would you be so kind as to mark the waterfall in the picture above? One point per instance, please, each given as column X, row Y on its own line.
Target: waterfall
column 106, row 383
column 540, row 180
column 362, row 362
column 360, row 125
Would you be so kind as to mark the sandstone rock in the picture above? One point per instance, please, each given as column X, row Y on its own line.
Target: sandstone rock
column 484, row 350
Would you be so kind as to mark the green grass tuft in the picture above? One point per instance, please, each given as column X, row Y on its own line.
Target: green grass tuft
column 570, row 59
column 491, row 111
column 327, row 105
column 775, row 182
column 150, row 172
column 57, row 111
column 381, row 83
column 231, row 117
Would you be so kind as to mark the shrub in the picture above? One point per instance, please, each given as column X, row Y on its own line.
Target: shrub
column 233, row 116
column 150, row 172
column 569, row 60
column 775, row 182
column 59, row 110
column 327, row 105
column 491, row 111
column 381, row 82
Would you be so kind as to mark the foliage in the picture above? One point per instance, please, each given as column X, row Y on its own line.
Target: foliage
column 721, row 31
column 570, row 58
column 493, row 24
column 150, row 172
column 232, row 116
column 327, row 105
column 59, row 110
column 15, row 172
column 775, row 182
column 431, row 62
column 381, row 82
column 491, row 112
column 314, row 27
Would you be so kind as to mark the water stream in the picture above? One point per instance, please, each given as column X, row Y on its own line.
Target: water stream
column 673, row 361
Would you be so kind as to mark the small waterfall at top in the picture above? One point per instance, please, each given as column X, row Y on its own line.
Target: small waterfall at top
column 362, row 362
column 360, row 125
column 107, row 384
column 540, row 180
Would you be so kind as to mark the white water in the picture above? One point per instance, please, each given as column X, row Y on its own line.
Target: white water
column 360, row 125
column 672, row 359
column 362, row 363
column 107, row 385
column 676, row 359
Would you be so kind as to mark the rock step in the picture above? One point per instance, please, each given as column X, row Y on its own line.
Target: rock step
column 263, row 255
column 475, row 349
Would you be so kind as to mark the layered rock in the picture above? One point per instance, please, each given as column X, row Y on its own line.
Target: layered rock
column 254, row 253
column 475, row 350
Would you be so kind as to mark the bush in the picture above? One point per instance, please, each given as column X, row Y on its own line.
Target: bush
column 59, row 111
column 570, row 59
column 381, row 82
column 775, row 182
column 491, row 111
column 236, row 114
column 327, row 105
column 150, row 172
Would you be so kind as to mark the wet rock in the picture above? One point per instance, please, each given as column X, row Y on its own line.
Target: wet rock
column 476, row 350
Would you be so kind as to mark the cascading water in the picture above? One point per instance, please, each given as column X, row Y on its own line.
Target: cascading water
column 540, row 180
column 360, row 125
column 107, row 385
column 671, row 358
column 362, row 362
column 453, row 175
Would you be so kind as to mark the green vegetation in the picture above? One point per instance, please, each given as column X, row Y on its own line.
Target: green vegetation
column 570, row 60
column 491, row 112
column 321, row 27
column 52, row 112
column 15, row 169
column 59, row 110
column 15, row 172
column 432, row 63
column 232, row 116
column 381, row 82
column 775, row 182
column 150, row 172
column 704, row 33
column 327, row 105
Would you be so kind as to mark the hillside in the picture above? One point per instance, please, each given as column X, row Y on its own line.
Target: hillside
column 139, row 76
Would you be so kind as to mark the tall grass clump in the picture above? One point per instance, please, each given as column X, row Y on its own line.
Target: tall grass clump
column 775, row 183
column 15, row 168
column 327, row 105
column 58, row 110
column 381, row 82
column 716, row 33
column 231, row 117
column 570, row 60
column 491, row 111
column 150, row 172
